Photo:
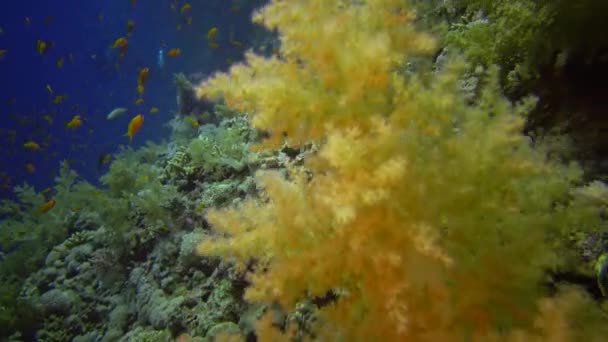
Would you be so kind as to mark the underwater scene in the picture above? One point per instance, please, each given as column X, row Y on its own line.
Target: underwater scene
column 304, row 170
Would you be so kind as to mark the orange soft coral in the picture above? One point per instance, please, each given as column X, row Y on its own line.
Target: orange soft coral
column 427, row 216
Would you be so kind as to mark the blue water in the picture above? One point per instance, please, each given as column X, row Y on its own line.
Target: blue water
column 95, row 81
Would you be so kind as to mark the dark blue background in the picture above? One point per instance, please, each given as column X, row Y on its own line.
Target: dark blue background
column 94, row 85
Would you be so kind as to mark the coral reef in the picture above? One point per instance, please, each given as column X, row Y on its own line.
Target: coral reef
column 356, row 179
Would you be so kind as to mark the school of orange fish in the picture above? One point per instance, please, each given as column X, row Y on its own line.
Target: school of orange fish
column 121, row 44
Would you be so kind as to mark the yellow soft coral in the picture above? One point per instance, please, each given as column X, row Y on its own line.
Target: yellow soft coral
column 430, row 218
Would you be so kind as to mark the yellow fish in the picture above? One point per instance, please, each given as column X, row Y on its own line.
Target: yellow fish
column 58, row 99
column 185, row 8
column 211, row 33
column 192, row 121
column 74, row 123
column 31, row 145
column 153, row 110
column 42, row 46
column 130, row 26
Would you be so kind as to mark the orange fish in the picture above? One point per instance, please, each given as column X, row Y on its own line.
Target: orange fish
column 134, row 126
column 46, row 206
column 174, row 52
column 185, row 8
column 120, row 42
column 141, row 79
column 74, row 123
column 29, row 168
column 130, row 26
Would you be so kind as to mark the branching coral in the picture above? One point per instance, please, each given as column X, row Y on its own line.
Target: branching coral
column 431, row 219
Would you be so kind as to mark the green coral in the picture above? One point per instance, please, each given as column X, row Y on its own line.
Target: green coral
column 130, row 171
column 523, row 35
column 26, row 236
column 220, row 147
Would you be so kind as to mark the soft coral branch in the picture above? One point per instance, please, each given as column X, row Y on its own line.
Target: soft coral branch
column 428, row 216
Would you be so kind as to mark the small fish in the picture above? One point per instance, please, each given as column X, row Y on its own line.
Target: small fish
column 130, row 26
column 103, row 159
column 29, row 168
column 132, row 2
column 58, row 99
column 233, row 41
column 28, row 21
column 134, row 126
column 212, row 33
column 192, row 121
column 139, row 101
column 141, row 79
column 74, row 123
column 49, row 89
column 213, row 45
column 153, row 110
column 174, row 52
column 42, row 46
column 3, row 53
column 120, row 42
column 161, row 58
column 49, row 19
column 31, row 145
column 115, row 113
column 60, row 62
column 185, row 8
column 46, row 206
